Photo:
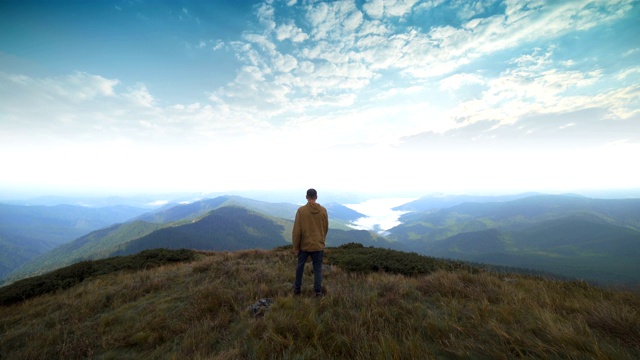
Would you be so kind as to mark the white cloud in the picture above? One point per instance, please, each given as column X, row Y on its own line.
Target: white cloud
column 335, row 21
column 140, row 95
column 398, row 8
column 454, row 82
column 446, row 48
column 631, row 52
column 471, row 9
column 78, row 86
column 265, row 13
column 628, row 73
column 218, row 45
column 345, row 53
column 536, row 85
column 392, row 8
column 290, row 32
column 284, row 63
column 85, row 107
column 374, row 8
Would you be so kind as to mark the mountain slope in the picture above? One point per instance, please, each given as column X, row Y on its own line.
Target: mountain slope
column 29, row 231
column 574, row 246
column 17, row 251
column 210, row 308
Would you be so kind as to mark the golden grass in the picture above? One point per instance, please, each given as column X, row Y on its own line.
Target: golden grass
column 198, row 310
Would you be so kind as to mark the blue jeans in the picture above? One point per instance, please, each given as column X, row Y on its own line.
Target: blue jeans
column 316, row 258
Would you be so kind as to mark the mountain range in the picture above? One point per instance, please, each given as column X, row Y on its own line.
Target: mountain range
column 222, row 223
column 592, row 239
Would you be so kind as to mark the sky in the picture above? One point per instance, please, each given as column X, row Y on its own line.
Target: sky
column 398, row 96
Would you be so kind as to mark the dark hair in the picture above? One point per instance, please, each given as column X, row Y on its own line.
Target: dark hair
column 312, row 193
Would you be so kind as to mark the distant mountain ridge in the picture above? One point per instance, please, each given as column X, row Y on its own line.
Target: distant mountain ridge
column 592, row 239
column 339, row 214
column 441, row 201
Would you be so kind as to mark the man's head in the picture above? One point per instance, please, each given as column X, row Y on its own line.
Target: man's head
column 312, row 194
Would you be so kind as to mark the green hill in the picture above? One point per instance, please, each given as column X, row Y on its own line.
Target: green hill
column 207, row 306
column 228, row 228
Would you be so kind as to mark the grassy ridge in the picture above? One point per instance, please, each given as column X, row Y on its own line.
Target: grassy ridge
column 198, row 310
column 69, row 276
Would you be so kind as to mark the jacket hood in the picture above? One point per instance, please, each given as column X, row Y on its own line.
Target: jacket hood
column 315, row 208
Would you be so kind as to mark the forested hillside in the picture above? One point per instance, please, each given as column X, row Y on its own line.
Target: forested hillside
column 29, row 231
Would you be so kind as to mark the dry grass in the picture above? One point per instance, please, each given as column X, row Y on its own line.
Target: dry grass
column 199, row 311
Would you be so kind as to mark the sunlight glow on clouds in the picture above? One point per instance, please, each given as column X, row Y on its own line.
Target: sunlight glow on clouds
column 391, row 95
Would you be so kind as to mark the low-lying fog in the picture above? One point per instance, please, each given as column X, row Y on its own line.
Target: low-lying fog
column 380, row 216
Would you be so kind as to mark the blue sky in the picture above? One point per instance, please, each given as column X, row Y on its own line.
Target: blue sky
column 375, row 96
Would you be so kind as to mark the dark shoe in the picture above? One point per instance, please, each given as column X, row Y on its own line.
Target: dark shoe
column 319, row 294
column 296, row 292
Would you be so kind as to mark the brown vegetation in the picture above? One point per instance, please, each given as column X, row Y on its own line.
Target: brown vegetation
column 198, row 310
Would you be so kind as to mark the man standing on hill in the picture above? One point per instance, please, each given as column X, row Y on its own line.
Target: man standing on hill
column 309, row 234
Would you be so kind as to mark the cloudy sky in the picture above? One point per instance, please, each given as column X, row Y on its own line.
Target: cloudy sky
column 382, row 95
